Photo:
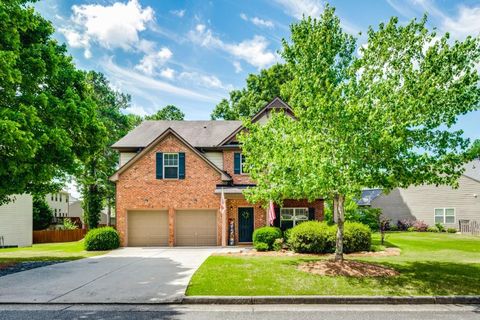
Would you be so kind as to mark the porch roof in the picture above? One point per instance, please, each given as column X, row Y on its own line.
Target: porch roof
column 232, row 189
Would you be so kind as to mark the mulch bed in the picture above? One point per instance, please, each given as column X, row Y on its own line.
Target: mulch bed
column 9, row 268
column 388, row 252
column 348, row 268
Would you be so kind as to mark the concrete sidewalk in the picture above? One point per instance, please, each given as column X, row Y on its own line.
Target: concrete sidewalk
column 127, row 275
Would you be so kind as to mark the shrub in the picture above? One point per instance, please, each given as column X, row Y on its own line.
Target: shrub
column 42, row 213
column 286, row 235
column 261, row 246
column 420, row 226
column 432, row 229
column 404, row 224
column 367, row 216
column 105, row 238
column 393, row 227
column 312, row 237
column 278, row 244
column 440, row 227
column 411, row 229
column 452, row 230
column 267, row 235
column 68, row 224
column 357, row 237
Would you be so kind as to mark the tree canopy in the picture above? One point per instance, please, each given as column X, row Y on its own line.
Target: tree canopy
column 42, row 104
column 382, row 118
column 260, row 90
column 169, row 112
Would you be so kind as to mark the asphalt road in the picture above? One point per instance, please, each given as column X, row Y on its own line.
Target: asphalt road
column 276, row 312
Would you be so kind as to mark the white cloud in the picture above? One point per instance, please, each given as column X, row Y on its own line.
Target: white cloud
column 178, row 13
column 140, row 83
column 254, row 51
column 257, row 21
column 167, row 73
column 151, row 61
column 208, row 81
column 237, row 66
column 467, row 22
column 298, row 8
column 112, row 26
column 138, row 110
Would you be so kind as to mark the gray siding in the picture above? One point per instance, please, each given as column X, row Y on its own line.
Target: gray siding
column 420, row 202
column 125, row 157
column 16, row 221
column 216, row 158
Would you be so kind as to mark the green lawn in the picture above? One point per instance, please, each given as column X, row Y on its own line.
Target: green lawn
column 430, row 264
column 46, row 252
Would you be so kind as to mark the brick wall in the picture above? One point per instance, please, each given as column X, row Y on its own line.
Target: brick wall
column 138, row 188
column 228, row 167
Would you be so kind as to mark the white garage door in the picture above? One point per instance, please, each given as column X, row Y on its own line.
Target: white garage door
column 147, row 228
column 196, row 228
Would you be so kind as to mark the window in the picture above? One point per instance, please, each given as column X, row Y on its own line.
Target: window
column 60, row 197
column 66, row 198
column 56, row 197
column 170, row 165
column 242, row 164
column 445, row 215
column 55, row 212
column 290, row 217
column 51, row 197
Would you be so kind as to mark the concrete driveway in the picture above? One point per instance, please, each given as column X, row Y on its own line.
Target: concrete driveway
column 127, row 275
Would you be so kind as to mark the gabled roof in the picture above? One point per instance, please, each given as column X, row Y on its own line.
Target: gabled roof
column 472, row 170
column 197, row 133
column 368, row 195
column 151, row 145
column 275, row 104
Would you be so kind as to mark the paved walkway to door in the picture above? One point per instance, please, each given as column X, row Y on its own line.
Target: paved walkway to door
column 127, row 275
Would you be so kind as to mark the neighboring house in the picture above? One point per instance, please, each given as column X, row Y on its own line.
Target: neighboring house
column 59, row 203
column 16, row 218
column 429, row 203
column 170, row 180
column 76, row 211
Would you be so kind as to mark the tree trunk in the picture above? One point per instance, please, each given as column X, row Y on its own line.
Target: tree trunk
column 339, row 213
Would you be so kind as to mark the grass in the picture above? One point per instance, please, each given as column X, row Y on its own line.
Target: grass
column 47, row 252
column 429, row 264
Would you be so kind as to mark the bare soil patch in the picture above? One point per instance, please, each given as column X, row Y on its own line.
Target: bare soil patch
column 348, row 268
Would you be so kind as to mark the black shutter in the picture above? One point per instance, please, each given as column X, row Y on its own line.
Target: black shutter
column 159, row 165
column 311, row 213
column 276, row 222
column 236, row 163
column 181, row 165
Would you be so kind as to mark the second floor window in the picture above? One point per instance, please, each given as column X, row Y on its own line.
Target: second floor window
column 170, row 165
column 239, row 166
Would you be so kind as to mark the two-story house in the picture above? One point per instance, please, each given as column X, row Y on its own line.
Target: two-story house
column 171, row 177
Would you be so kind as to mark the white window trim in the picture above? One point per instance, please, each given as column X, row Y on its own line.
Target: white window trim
column 445, row 215
column 294, row 215
column 170, row 166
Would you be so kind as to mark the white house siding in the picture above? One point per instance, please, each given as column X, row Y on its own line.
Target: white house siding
column 216, row 158
column 16, row 221
column 125, row 157
column 59, row 203
column 420, row 202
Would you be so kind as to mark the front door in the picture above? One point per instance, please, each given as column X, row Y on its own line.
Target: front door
column 245, row 224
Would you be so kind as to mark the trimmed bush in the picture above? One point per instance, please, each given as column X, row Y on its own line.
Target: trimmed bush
column 105, row 238
column 286, row 235
column 312, row 237
column 356, row 237
column 433, row 229
column 278, row 244
column 420, row 226
column 404, row 224
column 393, row 227
column 452, row 230
column 267, row 235
column 411, row 229
column 261, row 246
column 440, row 227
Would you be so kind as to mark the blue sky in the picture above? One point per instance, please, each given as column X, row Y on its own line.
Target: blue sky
column 192, row 53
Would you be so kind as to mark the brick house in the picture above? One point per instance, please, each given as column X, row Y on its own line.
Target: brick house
column 170, row 180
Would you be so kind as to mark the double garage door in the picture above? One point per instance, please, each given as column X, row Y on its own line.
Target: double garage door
column 192, row 228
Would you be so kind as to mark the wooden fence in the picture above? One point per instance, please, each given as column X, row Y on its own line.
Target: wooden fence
column 469, row 227
column 47, row 236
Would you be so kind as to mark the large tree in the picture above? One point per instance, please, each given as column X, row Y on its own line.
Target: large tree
column 107, row 124
column 169, row 112
column 260, row 89
column 383, row 118
column 42, row 104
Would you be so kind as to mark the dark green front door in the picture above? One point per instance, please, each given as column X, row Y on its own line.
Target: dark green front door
column 245, row 224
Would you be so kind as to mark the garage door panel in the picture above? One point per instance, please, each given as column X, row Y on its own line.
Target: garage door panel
column 196, row 228
column 147, row 228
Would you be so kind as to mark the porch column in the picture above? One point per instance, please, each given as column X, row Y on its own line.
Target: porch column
column 224, row 224
column 171, row 226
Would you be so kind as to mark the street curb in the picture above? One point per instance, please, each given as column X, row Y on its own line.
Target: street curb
column 332, row 300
